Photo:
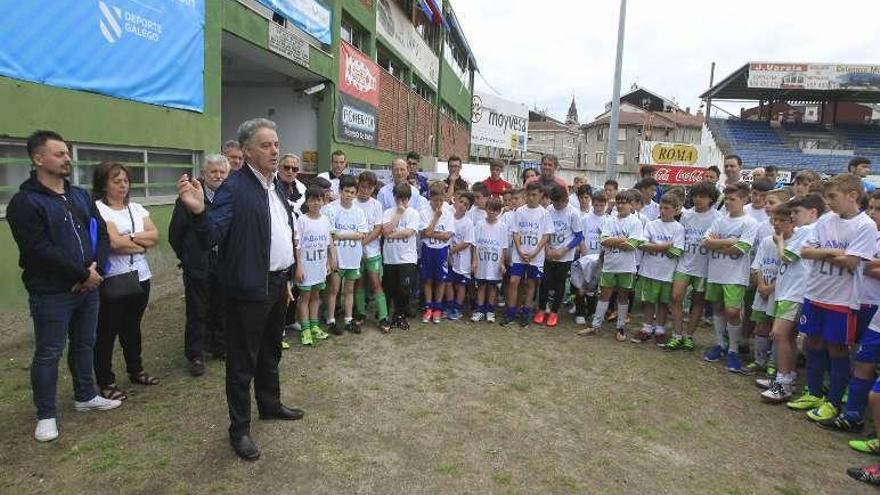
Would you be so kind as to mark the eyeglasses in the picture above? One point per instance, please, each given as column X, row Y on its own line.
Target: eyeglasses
column 290, row 167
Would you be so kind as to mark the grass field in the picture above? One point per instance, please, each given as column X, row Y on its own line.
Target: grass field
column 451, row 408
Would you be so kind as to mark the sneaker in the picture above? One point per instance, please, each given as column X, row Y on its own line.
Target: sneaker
column 826, row 411
column 869, row 446
column 572, row 309
column 444, row 315
column 641, row 336
column 350, row 326
column 320, row 334
column 842, row 423
column 477, row 317
column 580, row 320
column 765, row 383
column 674, row 343
column 507, row 320
column 454, row 315
column 714, row 354
column 436, row 316
column 806, row 401
column 867, row 474
column 97, row 403
column 552, row 320
column 524, row 320
column 754, row 368
column 47, row 430
column 197, row 365
column 733, row 363
column 403, row 323
column 688, row 344
column 285, row 345
column 384, row 325
column 539, row 318
column 620, row 335
column 426, row 316
column 777, row 393
column 660, row 339
column 360, row 319
column 306, row 337
column 490, row 317
column 589, row 331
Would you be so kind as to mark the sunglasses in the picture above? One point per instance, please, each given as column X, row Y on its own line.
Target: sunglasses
column 290, row 167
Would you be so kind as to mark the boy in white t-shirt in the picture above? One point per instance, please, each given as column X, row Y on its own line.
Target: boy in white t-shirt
column 400, row 227
column 350, row 227
column 591, row 226
column 765, row 268
column 481, row 194
column 729, row 240
column 314, row 259
column 567, row 235
column 647, row 187
column 530, row 229
column 371, row 263
column 462, row 253
column 490, row 242
column 438, row 221
column 661, row 243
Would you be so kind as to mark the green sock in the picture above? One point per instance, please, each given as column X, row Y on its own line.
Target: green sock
column 381, row 306
column 306, row 325
column 313, row 324
column 360, row 301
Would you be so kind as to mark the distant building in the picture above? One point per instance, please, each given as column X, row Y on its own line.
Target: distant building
column 563, row 139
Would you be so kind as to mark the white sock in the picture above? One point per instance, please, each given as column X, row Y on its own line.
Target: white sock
column 601, row 309
column 734, row 334
column 762, row 350
column 659, row 330
column 622, row 310
column 720, row 324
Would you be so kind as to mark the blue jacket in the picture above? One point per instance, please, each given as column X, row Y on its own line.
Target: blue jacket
column 58, row 236
column 238, row 223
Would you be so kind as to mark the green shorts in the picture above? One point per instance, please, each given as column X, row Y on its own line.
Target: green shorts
column 372, row 265
column 653, row 291
column 618, row 280
column 307, row 288
column 698, row 284
column 760, row 316
column 731, row 295
column 788, row 310
column 349, row 273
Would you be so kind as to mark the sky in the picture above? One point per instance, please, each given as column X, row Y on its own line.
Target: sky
column 540, row 53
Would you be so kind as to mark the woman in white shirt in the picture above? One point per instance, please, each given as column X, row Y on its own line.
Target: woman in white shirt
column 131, row 233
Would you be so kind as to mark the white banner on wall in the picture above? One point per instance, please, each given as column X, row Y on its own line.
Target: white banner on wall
column 395, row 28
column 692, row 155
column 499, row 123
column 771, row 75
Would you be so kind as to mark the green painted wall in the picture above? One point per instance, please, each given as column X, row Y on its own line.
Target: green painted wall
column 455, row 93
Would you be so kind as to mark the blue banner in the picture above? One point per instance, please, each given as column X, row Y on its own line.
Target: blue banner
column 152, row 51
column 311, row 16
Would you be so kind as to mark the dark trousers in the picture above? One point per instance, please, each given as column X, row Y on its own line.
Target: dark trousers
column 398, row 282
column 120, row 317
column 57, row 319
column 553, row 285
column 205, row 317
column 253, row 350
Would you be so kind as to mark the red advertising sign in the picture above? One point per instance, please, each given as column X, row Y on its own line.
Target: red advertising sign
column 358, row 75
column 678, row 175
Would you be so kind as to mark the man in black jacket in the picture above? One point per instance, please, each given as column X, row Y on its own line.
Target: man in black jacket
column 63, row 247
column 252, row 223
column 205, row 312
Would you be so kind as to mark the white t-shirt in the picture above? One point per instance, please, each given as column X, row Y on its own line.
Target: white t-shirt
column 651, row 211
column 478, row 215
column 616, row 259
column 386, row 197
column 573, row 201
column 832, row 284
column 373, row 213
column 566, row 223
column 767, row 263
column 695, row 259
column 446, row 223
column 123, row 263
column 347, row 221
column 591, row 225
column 312, row 237
column 531, row 224
column 334, row 182
column 791, row 281
column 868, row 287
column 402, row 251
column 736, row 269
column 757, row 213
column 464, row 233
column 661, row 266
column 491, row 241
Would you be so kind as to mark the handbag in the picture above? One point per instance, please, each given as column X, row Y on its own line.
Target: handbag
column 125, row 284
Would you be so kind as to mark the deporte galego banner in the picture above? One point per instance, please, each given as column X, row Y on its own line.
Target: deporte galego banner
column 151, row 51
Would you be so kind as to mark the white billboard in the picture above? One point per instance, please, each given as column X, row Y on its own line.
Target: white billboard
column 691, row 155
column 771, row 75
column 499, row 123
column 394, row 27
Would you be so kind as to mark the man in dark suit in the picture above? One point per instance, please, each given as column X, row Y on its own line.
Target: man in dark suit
column 205, row 321
column 252, row 223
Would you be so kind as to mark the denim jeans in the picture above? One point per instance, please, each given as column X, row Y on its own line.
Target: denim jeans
column 57, row 318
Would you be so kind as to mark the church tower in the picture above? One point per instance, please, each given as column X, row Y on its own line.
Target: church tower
column 572, row 117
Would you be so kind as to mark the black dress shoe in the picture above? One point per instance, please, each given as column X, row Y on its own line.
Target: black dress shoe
column 197, row 367
column 284, row 413
column 245, row 448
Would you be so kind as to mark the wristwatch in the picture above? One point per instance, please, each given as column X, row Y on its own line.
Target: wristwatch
column 131, row 236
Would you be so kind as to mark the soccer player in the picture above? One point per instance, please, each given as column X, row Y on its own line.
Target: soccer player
column 477, row 213
column 591, row 225
column 647, row 187
column 314, row 259
column 400, row 227
column 438, row 228
column 729, row 240
column 567, row 235
column 491, row 241
column 371, row 263
column 462, row 253
column 765, row 268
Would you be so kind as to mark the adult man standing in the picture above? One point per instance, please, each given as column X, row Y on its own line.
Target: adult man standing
column 549, row 164
column 338, row 164
column 495, row 184
column 732, row 175
column 63, row 247
column 205, row 310
column 232, row 151
column 399, row 174
column 454, row 182
column 252, row 223
column 412, row 161
column 861, row 166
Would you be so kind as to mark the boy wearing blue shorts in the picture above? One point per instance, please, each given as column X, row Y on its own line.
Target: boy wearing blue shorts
column 438, row 219
column 463, row 260
column 530, row 229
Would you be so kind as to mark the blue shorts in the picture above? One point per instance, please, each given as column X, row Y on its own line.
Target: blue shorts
column 528, row 272
column 483, row 281
column 459, row 279
column 434, row 264
column 836, row 324
column 863, row 317
column 869, row 348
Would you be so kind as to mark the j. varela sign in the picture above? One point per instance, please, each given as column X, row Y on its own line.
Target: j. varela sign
column 663, row 153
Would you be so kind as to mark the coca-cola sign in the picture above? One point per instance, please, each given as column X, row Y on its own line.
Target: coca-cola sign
column 679, row 175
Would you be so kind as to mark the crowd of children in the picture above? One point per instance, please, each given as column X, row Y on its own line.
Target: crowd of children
column 771, row 263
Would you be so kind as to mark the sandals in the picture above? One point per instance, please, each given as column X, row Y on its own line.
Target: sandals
column 142, row 378
column 113, row 392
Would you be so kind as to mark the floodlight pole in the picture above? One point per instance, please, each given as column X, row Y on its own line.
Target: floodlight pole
column 611, row 148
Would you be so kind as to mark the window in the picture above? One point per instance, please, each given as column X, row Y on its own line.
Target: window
column 600, row 134
column 422, row 89
column 15, row 166
column 352, row 33
column 621, row 133
column 429, row 31
column 390, row 64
